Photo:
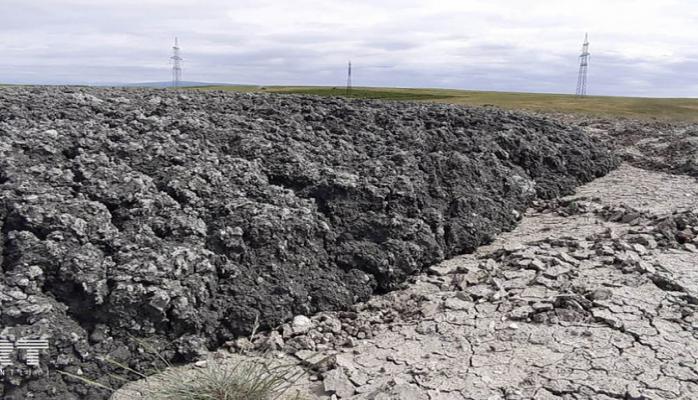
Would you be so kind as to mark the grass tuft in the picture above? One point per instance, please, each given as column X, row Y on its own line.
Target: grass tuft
column 244, row 380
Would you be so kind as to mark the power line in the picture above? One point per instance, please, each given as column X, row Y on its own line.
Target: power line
column 349, row 78
column 176, row 65
column 583, row 68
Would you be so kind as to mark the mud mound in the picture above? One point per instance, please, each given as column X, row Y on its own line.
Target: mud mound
column 670, row 147
column 184, row 218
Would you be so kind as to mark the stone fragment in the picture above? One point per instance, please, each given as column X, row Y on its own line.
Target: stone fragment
column 520, row 313
column 454, row 303
column 542, row 306
column 639, row 249
column 600, row 294
column 556, row 270
column 567, row 258
column 442, row 269
column 537, row 264
column 685, row 236
column 301, row 324
column 480, row 291
column 336, row 382
column 274, row 341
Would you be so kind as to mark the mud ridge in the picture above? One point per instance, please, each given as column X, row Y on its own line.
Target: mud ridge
column 184, row 218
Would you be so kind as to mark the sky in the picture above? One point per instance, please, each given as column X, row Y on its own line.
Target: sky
column 638, row 47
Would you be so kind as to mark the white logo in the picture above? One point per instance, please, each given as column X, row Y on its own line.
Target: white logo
column 32, row 347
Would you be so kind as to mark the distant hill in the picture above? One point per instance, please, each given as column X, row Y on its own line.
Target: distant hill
column 169, row 84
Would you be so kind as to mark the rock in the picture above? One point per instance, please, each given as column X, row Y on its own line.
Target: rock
column 645, row 240
column 556, row 270
column 332, row 324
column 480, row 291
column 454, row 303
column 537, row 264
column 521, row 313
column 568, row 258
column 644, row 266
column 336, row 382
column 301, row 324
column 600, row 294
column 685, row 236
column 442, row 269
column 52, row 133
column 407, row 391
column 274, row 341
column 541, row 306
column 639, row 249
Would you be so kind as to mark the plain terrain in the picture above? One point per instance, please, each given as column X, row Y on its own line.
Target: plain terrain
column 631, row 107
column 643, row 108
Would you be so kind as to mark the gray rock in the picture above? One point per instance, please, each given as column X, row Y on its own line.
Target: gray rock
column 336, row 382
column 301, row 324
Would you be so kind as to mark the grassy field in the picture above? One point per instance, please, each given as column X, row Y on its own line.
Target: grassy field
column 631, row 107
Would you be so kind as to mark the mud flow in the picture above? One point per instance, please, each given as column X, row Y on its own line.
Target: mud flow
column 183, row 220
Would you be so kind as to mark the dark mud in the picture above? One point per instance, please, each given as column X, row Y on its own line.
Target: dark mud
column 183, row 219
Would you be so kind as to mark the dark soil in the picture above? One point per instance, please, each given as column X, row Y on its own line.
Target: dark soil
column 180, row 219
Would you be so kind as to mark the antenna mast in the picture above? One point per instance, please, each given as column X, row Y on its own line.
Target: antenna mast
column 176, row 65
column 349, row 78
column 583, row 67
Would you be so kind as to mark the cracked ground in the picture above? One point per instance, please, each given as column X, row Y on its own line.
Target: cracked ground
column 593, row 296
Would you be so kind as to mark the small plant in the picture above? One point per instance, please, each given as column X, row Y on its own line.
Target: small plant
column 242, row 379
column 245, row 380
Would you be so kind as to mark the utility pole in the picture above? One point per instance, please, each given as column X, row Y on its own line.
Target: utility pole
column 176, row 65
column 349, row 79
column 583, row 67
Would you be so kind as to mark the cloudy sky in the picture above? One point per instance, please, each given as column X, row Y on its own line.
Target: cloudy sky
column 639, row 47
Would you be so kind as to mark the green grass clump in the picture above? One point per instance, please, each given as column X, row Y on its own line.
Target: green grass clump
column 245, row 380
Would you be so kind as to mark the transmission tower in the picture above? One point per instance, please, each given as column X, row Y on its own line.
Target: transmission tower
column 583, row 67
column 349, row 78
column 176, row 65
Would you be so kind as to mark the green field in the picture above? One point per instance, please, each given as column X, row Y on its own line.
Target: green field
column 631, row 107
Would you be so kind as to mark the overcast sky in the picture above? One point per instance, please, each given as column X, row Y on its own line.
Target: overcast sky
column 639, row 47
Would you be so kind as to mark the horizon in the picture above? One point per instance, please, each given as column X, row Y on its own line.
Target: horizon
column 223, row 84
column 503, row 45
